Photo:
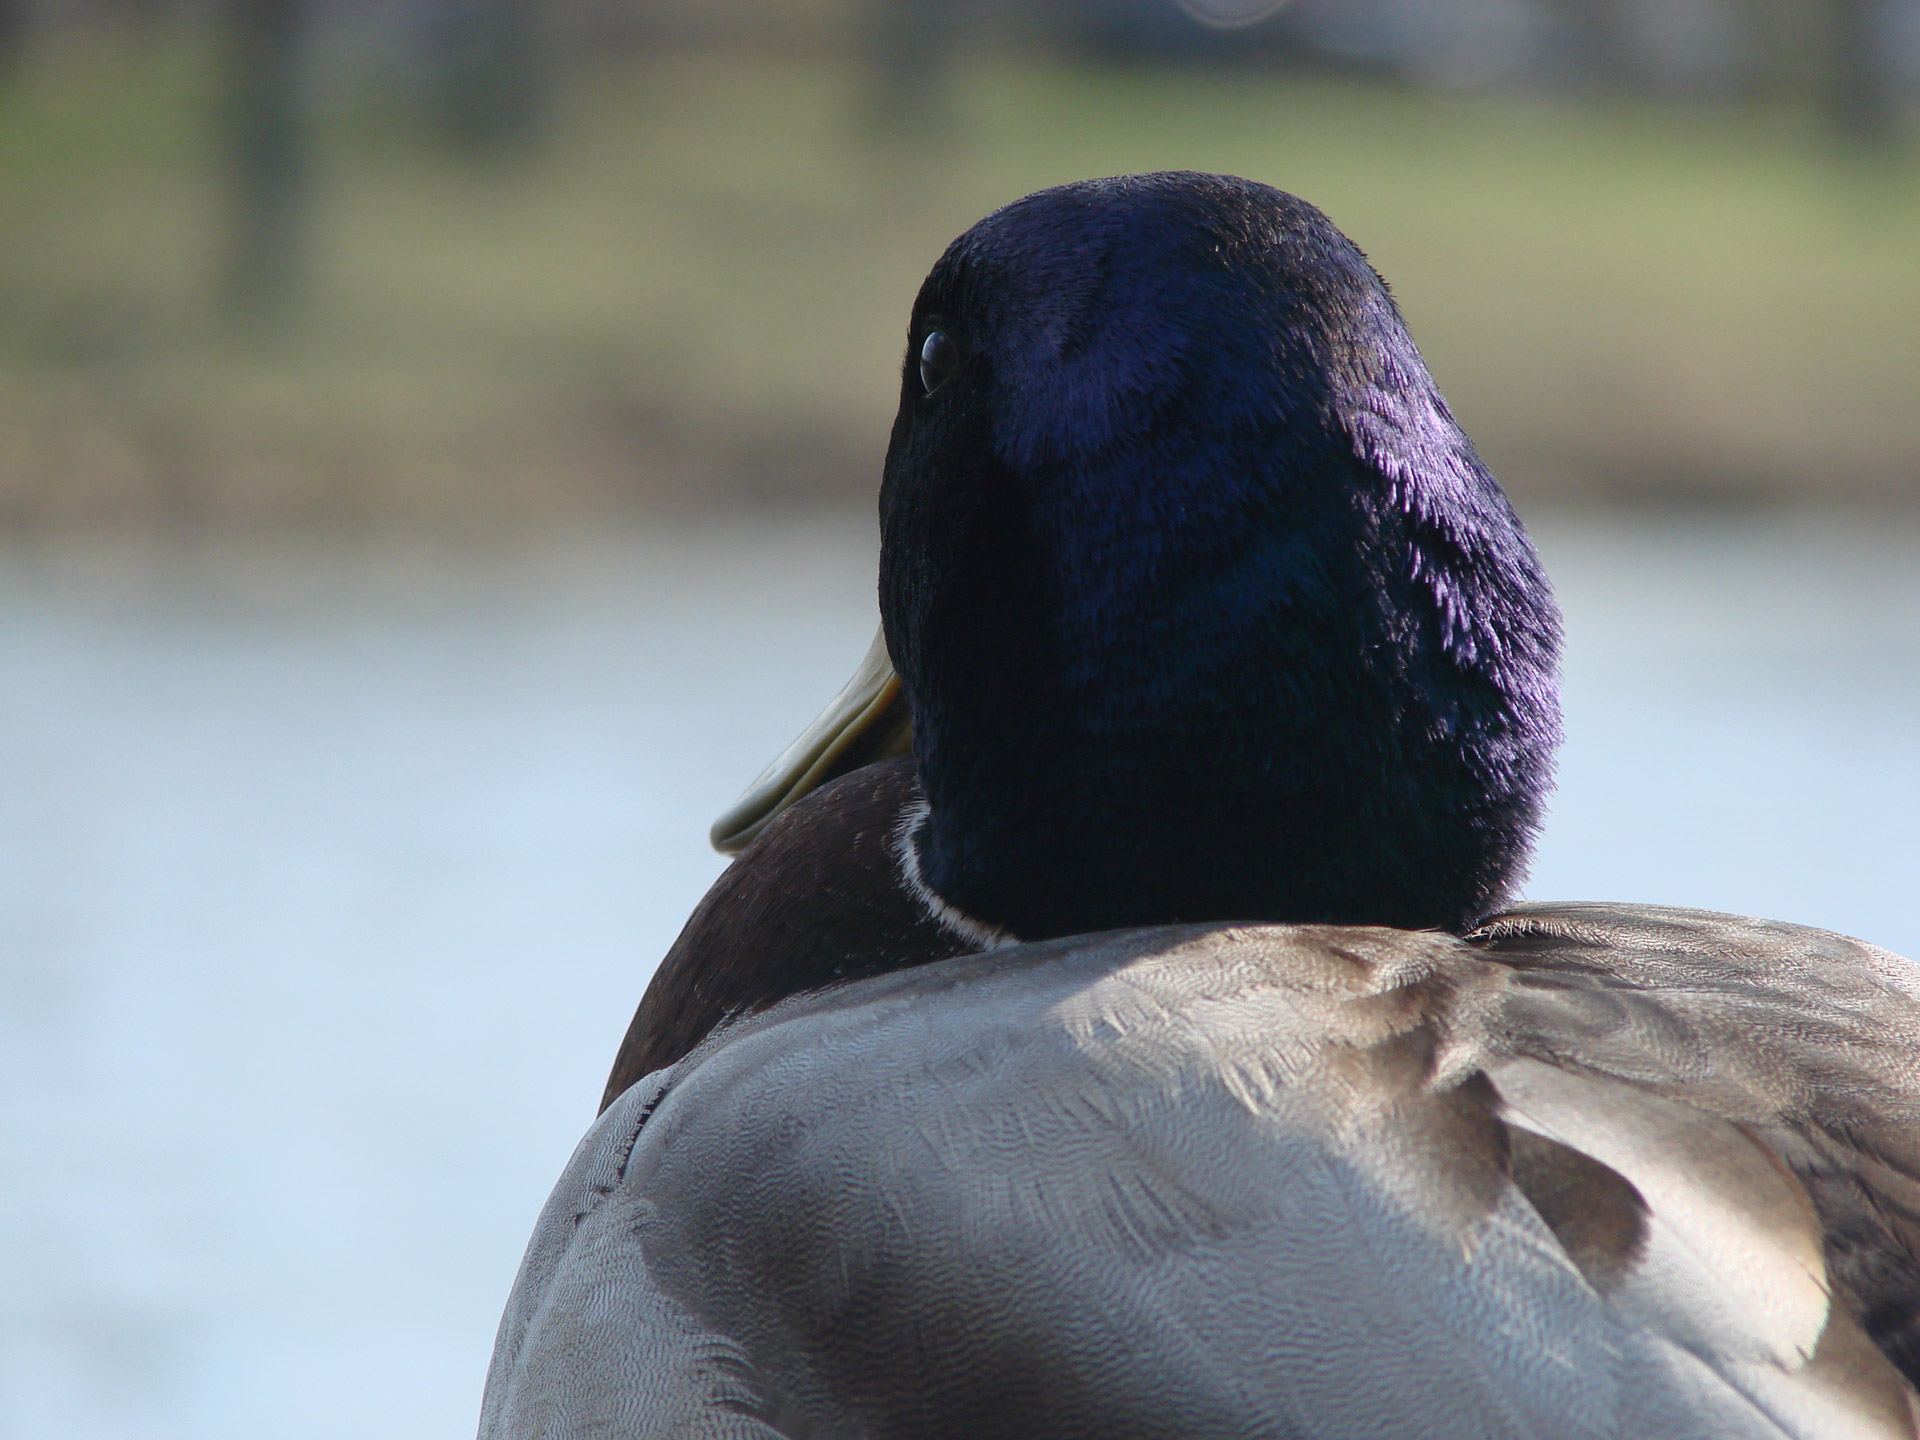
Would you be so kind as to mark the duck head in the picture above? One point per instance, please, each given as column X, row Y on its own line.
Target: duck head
column 1201, row 603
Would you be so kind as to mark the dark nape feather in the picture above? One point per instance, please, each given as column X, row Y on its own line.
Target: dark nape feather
column 814, row 900
column 1789, row 1031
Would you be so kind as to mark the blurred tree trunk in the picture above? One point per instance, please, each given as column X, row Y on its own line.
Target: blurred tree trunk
column 1860, row 99
column 16, row 18
column 267, row 148
column 147, row 15
column 1605, row 55
column 1792, row 43
column 491, row 59
column 909, row 45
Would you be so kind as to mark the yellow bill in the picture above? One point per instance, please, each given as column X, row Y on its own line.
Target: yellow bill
column 865, row 722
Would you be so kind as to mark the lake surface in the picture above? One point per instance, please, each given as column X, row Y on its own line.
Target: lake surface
column 329, row 879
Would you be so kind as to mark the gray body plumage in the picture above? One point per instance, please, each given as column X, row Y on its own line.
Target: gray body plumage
column 1592, row 1172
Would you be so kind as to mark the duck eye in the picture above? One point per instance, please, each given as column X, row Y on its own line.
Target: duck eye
column 939, row 358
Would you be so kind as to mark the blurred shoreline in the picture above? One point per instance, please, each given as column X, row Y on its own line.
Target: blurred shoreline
column 686, row 291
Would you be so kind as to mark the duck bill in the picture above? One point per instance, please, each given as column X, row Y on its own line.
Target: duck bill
column 866, row 721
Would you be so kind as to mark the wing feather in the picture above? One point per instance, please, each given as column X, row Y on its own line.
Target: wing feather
column 1229, row 1181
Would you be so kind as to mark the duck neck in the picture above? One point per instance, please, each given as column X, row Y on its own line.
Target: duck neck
column 1304, row 702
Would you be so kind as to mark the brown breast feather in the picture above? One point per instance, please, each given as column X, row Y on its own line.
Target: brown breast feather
column 818, row 898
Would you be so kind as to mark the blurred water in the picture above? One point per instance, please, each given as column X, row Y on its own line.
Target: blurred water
column 328, row 880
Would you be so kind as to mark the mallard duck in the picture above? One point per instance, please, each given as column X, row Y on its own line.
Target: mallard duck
column 1117, row 1023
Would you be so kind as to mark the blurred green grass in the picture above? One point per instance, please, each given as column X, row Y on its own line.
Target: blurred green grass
column 695, row 291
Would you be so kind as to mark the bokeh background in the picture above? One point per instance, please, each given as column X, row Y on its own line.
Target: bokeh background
column 437, row 450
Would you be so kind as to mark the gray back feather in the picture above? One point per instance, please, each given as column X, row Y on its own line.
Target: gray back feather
column 1577, row 1177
